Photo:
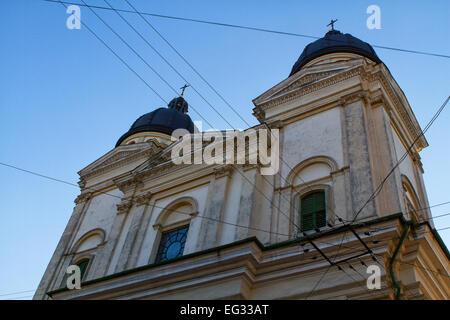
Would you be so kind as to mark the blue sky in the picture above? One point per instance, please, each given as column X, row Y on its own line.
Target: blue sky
column 65, row 99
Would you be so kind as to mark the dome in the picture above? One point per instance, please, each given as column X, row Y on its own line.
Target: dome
column 334, row 41
column 163, row 120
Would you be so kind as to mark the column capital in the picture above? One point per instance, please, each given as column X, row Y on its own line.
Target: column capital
column 143, row 199
column 224, row 170
column 125, row 205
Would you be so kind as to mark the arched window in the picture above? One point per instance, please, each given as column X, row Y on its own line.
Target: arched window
column 172, row 244
column 172, row 227
column 312, row 211
column 412, row 202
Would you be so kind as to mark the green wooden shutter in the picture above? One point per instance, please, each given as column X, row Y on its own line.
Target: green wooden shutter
column 313, row 213
column 83, row 265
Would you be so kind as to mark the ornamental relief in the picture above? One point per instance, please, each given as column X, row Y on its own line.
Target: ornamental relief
column 125, row 205
column 143, row 199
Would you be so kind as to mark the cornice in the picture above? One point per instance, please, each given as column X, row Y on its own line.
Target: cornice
column 122, row 158
column 353, row 97
column 126, row 183
column 302, row 91
column 83, row 197
column 368, row 74
column 222, row 171
column 399, row 107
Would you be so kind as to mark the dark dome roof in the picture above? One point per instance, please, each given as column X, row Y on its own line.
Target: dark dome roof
column 334, row 41
column 164, row 120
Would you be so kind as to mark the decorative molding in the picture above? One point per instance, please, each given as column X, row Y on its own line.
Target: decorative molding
column 224, row 170
column 96, row 231
column 259, row 114
column 132, row 181
column 377, row 101
column 339, row 171
column 143, row 199
column 308, row 162
column 352, row 97
column 317, row 85
column 169, row 209
column 367, row 73
column 247, row 166
column 399, row 105
column 276, row 124
column 301, row 79
column 121, row 158
column 125, row 205
column 308, row 79
column 84, row 196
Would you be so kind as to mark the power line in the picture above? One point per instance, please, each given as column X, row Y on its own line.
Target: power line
column 374, row 254
column 221, row 221
column 181, row 212
column 115, row 196
column 218, row 94
column 13, row 293
column 118, row 57
column 164, row 59
column 90, row 7
column 162, row 79
column 187, row 62
column 380, row 186
column 168, row 85
column 137, row 54
column 72, row 184
column 423, row 220
column 404, row 262
column 250, row 28
column 142, row 59
column 20, row 298
column 164, row 100
column 174, row 69
column 381, row 255
column 135, row 11
column 319, row 281
column 435, row 205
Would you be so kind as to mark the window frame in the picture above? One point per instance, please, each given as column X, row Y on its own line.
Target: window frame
column 170, row 230
column 304, row 191
column 84, row 272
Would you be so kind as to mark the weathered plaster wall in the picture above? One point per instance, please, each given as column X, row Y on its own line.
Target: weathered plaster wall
column 317, row 135
column 100, row 213
column 406, row 167
column 231, row 212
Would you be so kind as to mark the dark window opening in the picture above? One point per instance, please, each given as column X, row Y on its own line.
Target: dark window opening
column 83, row 266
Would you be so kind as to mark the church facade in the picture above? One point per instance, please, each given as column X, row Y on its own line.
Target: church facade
column 146, row 228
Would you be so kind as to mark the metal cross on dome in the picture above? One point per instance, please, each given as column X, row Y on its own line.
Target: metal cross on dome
column 332, row 22
column 183, row 88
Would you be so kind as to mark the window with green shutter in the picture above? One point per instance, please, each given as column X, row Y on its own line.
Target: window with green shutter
column 83, row 266
column 312, row 211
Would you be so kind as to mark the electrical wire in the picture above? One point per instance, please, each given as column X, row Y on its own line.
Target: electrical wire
column 253, row 29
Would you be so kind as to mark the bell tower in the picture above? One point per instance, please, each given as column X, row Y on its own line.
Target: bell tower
column 344, row 124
